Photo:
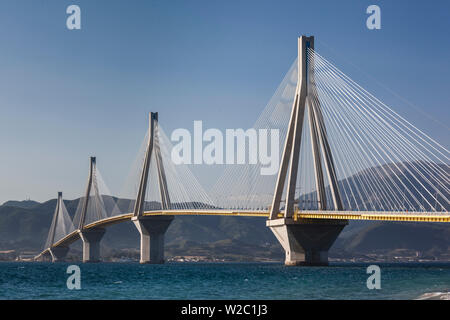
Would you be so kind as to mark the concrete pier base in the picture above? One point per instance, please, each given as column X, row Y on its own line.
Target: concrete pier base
column 91, row 244
column 152, row 230
column 45, row 257
column 58, row 253
column 306, row 242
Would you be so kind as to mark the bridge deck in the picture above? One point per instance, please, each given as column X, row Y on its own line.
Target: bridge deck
column 337, row 215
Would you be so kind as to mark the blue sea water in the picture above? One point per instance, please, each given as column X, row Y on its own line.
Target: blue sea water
column 219, row 281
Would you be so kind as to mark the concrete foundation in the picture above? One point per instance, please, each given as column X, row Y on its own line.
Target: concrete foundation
column 45, row 257
column 152, row 230
column 58, row 253
column 91, row 244
column 306, row 242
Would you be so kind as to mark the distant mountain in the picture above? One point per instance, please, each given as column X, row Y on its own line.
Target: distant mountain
column 24, row 226
column 235, row 238
column 21, row 204
column 365, row 237
column 382, row 187
column 26, row 229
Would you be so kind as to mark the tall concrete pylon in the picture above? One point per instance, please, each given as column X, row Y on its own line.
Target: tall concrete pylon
column 91, row 237
column 152, row 228
column 305, row 242
column 55, row 219
column 56, row 253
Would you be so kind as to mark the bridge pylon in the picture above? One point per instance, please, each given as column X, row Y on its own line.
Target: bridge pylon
column 305, row 242
column 56, row 254
column 152, row 228
column 90, row 237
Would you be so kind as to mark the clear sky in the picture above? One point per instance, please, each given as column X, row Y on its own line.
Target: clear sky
column 66, row 95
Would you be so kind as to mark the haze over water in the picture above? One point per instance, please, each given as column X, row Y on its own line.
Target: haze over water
column 220, row 281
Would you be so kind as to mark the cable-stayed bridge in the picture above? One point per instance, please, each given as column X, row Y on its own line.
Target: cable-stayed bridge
column 345, row 155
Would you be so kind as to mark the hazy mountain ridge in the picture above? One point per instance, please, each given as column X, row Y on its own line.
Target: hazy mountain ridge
column 396, row 178
column 21, row 204
column 24, row 225
column 235, row 238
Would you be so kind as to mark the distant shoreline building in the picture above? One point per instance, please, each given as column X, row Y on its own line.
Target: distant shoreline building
column 8, row 255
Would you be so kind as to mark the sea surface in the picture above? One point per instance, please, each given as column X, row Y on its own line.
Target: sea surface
column 220, row 281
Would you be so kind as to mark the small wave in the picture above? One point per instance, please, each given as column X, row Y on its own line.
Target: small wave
column 434, row 296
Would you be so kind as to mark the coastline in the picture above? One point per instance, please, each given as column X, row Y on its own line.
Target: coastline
column 434, row 296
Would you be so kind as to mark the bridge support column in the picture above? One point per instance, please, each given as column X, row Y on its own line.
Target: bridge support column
column 91, row 244
column 306, row 242
column 58, row 253
column 152, row 230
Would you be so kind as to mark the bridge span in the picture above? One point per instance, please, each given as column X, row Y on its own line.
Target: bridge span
column 300, row 216
column 346, row 156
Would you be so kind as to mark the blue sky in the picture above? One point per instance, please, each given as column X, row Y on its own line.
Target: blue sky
column 66, row 95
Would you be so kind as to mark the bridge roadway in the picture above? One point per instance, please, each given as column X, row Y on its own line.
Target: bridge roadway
column 338, row 215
